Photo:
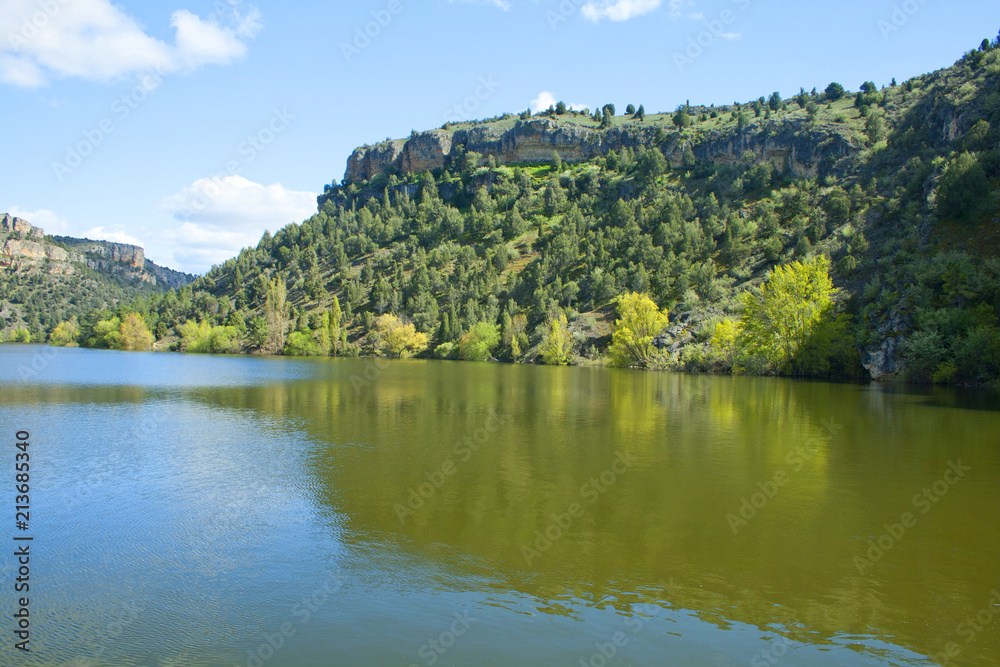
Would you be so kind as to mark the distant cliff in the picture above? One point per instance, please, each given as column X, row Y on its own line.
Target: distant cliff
column 26, row 249
column 794, row 144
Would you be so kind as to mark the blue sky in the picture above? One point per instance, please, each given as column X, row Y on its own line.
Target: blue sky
column 190, row 126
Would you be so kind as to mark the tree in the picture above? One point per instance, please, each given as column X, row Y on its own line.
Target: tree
column 835, row 91
column 875, row 126
column 557, row 344
column 398, row 339
column 811, row 110
column 514, row 337
column 276, row 315
column 774, row 101
column 65, row 334
column 741, row 121
column 977, row 138
column 682, row 119
column 630, row 110
column 639, row 322
column 964, row 187
column 478, row 344
column 780, row 316
column 135, row 335
column 724, row 341
column 561, row 108
column 336, row 318
column 641, row 113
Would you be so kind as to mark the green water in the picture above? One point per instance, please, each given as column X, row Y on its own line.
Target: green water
column 235, row 511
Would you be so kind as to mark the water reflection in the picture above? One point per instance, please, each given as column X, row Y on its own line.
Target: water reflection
column 851, row 459
column 742, row 508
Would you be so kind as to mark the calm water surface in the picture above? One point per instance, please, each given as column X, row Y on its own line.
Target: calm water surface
column 235, row 511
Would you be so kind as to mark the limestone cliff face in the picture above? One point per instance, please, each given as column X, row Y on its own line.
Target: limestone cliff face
column 18, row 227
column 104, row 253
column 23, row 248
column 368, row 161
column 806, row 151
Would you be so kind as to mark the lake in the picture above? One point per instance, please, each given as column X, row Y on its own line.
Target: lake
column 190, row 510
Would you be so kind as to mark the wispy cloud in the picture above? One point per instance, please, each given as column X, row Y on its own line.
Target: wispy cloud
column 96, row 40
column 502, row 4
column 684, row 9
column 50, row 221
column 619, row 10
column 113, row 233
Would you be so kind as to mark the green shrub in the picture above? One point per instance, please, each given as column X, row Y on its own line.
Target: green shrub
column 963, row 188
column 478, row 344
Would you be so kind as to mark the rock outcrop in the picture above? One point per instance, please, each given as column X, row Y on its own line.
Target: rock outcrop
column 18, row 227
column 793, row 144
column 24, row 248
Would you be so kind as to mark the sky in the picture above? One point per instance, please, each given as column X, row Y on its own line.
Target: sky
column 190, row 126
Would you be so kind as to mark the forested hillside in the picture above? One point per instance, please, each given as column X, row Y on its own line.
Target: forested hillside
column 880, row 208
column 45, row 280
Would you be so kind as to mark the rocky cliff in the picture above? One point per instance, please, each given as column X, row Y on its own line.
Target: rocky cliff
column 806, row 150
column 25, row 248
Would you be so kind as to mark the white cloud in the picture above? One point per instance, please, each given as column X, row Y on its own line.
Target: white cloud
column 114, row 233
column 221, row 216
column 620, row 10
column 98, row 41
column 502, row 4
column 679, row 9
column 50, row 221
column 546, row 99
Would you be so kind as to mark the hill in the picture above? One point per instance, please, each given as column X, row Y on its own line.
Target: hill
column 48, row 279
column 473, row 240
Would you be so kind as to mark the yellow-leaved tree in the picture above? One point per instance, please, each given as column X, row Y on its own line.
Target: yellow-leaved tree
column 724, row 342
column 780, row 316
column 557, row 343
column 65, row 334
column 135, row 336
column 639, row 322
column 398, row 339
